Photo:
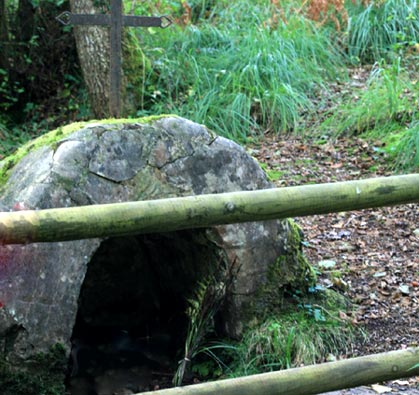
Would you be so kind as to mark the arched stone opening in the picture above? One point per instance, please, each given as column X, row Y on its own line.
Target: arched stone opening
column 132, row 307
column 41, row 284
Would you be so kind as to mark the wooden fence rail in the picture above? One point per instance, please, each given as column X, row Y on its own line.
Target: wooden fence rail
column 164, row 215
column 312, row 379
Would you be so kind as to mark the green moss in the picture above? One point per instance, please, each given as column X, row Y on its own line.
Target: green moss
column 290, row 270
column 304, row 161
column 305, row 275
column 49, row 139
column 42, row 375
column 275, row 175
column 272, row 174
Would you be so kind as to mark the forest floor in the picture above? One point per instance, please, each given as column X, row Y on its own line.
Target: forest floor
column 373, row 253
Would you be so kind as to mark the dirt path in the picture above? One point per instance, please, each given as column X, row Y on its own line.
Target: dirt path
column 374, row 252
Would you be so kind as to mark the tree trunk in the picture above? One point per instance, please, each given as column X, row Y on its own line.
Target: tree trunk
column 4, row 36
column 25, row 20
column 202, row 211
column 93, row 47
column 313, row 379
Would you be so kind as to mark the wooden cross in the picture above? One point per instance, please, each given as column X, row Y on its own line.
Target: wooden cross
column 116, row 21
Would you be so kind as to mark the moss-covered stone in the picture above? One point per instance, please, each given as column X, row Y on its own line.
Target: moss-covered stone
column 42, row 375
column 305, row 274
column 290, row 270
column 48, row 139
column 99, row 164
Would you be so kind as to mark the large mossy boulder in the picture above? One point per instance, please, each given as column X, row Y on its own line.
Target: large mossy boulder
column 50, row 290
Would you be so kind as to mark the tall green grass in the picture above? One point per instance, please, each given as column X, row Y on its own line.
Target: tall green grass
column 292, row 340
column 236, row 74
column 308, row 328
column 386, row 105
column 382, row 29
column 386, row 109
column 407, row 148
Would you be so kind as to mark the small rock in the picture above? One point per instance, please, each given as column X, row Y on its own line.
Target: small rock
column 404, row 289
column 380, row 389
column 327, row 264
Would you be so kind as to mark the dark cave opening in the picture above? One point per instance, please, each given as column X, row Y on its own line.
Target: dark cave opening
column 131, row 321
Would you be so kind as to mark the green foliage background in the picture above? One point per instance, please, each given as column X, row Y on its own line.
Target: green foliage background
column 242, row 68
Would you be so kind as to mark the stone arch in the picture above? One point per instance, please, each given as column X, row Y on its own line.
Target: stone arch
column 141, row 284
column 41, row 284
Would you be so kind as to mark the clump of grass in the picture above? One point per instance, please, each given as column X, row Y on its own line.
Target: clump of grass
column 241, row 76
column 404, row 148
column 283, row 342
column 385, row 106
column 309, row 333
column 385, row 109
column 382, row 28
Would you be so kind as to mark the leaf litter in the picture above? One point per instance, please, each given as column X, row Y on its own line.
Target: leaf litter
column 374, row 250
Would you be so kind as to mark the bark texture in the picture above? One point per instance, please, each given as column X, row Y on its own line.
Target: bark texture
column 4, row 36
column 93, row 47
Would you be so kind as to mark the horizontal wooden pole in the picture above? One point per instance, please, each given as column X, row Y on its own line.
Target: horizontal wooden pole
column 202, row 211
column 312, row 379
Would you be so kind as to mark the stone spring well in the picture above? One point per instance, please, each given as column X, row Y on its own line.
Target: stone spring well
column 120, row 302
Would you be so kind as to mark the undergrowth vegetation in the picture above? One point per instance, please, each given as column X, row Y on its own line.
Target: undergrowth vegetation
column 388, row 103
column 383, row 29
column 282, row 342
column 311, row 328
column 239, row 81
column 242, row 68
column 254, row 67
column 383, row 36
column 43, row 375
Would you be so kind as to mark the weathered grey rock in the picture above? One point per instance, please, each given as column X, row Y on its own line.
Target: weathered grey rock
column 134, row 281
